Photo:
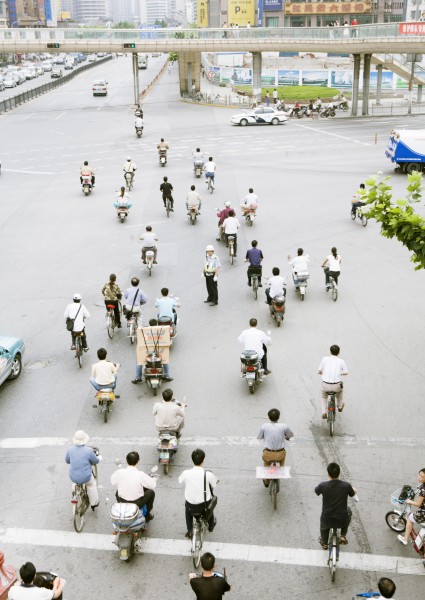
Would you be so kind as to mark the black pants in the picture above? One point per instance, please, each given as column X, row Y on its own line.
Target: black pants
column 257, row 270
column 146, row 500
column 83, row 338
column 355, row 205
column 334, row 274
column 264, row 359
column 115, row 304
column 235, row 241
column 212, row 288
column 170, row 198
column 196, row 509
column 325, row 526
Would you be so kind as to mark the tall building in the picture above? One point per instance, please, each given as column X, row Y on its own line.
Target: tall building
column 122, row 10
column 414, row 10
column 22, row 13
column 89, row 11
column 67, row 8
column 156, row 10
column 3, row 14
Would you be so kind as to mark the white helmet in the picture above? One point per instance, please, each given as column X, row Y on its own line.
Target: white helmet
column 227, row 204
column 129, row 158
column 209, row 248
column 77, row 297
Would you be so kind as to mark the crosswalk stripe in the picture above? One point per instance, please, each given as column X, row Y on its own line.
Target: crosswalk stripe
column 222, row 551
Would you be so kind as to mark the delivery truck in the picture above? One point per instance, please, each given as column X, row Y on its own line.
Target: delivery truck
column 406, row 148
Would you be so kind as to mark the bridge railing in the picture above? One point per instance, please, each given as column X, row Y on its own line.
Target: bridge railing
column 381, row 30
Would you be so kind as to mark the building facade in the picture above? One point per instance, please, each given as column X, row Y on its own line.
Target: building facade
column 3, row 14
column 122, row 10
column 156, row 10
column 415, row 10
column 89, row 11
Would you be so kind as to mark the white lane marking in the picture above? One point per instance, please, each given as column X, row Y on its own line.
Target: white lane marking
column 39, row 442
column 28, row 116
column 342, row 137
column 59, row 116
column 224, row 551
column 29, row 172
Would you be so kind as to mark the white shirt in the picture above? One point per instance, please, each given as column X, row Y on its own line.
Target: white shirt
column 275, row 94
column 129, row 167
column 253, row 339
column 71, row 311
column 333, row 263
column 193, row 199
column 17, row 592
column 210, row 167
column 165, row 306
column 277, row 284
column 250, row 200
column 103, row 372
column 168, row 415
column 194, row 482
column 230, row 225
column 138, row 122
column 300, row 264
column 149, row 238
column 332, row 369
column 131, row 483
column 123, row 200
column 198, row 157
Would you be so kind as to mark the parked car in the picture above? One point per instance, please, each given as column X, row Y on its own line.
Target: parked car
column 39, row 70
column 100, row 87
column 260, row 116
column 46, row 65
column 68, row 66
column 11, row 353
column 9, row 81
column 91, row 58
column 56, row 73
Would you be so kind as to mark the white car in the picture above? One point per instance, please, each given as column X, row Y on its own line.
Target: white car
column 260, row 116
column 9, row 82
column 46, row 65
column 91, row 58
column 100, row 87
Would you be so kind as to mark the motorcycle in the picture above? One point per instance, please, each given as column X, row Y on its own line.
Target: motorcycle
column 128, row 522
column 150, row 257
column 170, row 322
column 86, row 184
column 122, row 212
column 129, row 178
column 297, row 112
column 277, row 309
column 162, row 157
column 198, row 167
column 167, row 447
column 300, row 281
column 340, row 104
column 192, row 213
column 153, row 371
column 105, row 398
column 139, row 132
column 251, row 369
column 250, row 213
column 328, row 111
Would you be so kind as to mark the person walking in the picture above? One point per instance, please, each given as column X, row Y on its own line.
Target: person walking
column 267, row 98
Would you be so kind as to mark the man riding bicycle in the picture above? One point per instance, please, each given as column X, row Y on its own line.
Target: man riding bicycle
column 209, row 169
column 275, row 436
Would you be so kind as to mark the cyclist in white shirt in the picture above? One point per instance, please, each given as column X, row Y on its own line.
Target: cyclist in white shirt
column 209, row 169
column 277, row 285
column 332, row 369
column 300, row 262
column 250, row 201
column 255, row 339
column 332, row 266
column 230, row 228
column 78, row 312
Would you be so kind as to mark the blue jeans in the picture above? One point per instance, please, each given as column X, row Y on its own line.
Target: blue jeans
column 99, row 387
column 139, row 371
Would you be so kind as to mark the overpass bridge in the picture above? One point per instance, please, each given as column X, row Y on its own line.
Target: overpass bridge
column 362, row 41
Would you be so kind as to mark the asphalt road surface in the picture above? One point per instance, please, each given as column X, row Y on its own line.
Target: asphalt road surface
column 55, row 242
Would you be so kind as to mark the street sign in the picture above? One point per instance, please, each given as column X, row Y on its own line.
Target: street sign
column 211, row 74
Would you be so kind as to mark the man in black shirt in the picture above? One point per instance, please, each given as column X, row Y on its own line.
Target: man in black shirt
column 166, row 188
column 209, row 585
column 335, row 512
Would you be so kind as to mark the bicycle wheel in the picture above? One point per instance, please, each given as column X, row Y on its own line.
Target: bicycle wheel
column 334, row 292
column 78, row 516
column 105, row 412
column 353, row 216
column 231, row 254
column 132, row 334
column 110, row 325
column 79, row 351
column 334, row 558
column 196, row 544
column 273, row 492
column 167, row 208
column 395, row 521
column 255, row 287
column 364, row 220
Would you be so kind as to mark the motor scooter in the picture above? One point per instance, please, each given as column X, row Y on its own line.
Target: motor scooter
column 198, row 167
column 150, row 257
column 129, row 178
column 105, row 398
column 139, row 132
column 154, row 371
column 277, row 308
column 249, row 214
column 128, row 522
column 87, row 184
column 122, row 212
column 162, row 157
column 251, row 369
column 300, row 280
column 192, row 213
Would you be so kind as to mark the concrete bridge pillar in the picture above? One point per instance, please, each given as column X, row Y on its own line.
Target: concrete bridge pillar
column 257, row 63
column 379, row 85
column 366, row 84
column 355, row 88
column 190, row 72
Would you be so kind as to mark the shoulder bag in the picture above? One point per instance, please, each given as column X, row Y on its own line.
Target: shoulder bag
column 209, row 509
column 70, row 322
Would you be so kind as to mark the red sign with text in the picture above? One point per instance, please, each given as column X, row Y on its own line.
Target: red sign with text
column 412, row 28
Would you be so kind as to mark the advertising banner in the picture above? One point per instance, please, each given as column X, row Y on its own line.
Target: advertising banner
column 412, row 28
column 202, row 13
column 272, row 4
column 328, row 8
column 387, row 80
column 268, row 77
column 240, row 12
column 285, row 77
column 341, row 79
column 319, row 78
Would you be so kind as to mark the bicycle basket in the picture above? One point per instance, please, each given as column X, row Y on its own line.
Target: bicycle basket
column 402, row 494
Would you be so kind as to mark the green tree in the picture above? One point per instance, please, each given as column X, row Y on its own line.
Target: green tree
column 124, row 25
column 173, row 56
column 397, row 217
column 161, row 23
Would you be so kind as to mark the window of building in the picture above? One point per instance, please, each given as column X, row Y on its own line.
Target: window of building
column 272, row 21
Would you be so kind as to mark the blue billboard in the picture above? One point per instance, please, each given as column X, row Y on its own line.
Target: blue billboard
column 272, row 5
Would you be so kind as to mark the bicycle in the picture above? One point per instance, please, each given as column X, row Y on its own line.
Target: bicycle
column 333, row 286
column 231, row 244
column 359, row 214
column 199, row 528
column 210, row 184
column 80, row 499
column 255, row 280
column 331, row 412
column 333, row 556
column 168, row 206
column 110, row 320
column 79, row 350
column 132, row 325
column 129, row 176
column 273, row 473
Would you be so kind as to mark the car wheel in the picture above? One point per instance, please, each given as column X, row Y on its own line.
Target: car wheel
column 275, row 121
column 16, row 367
column 244, row 122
